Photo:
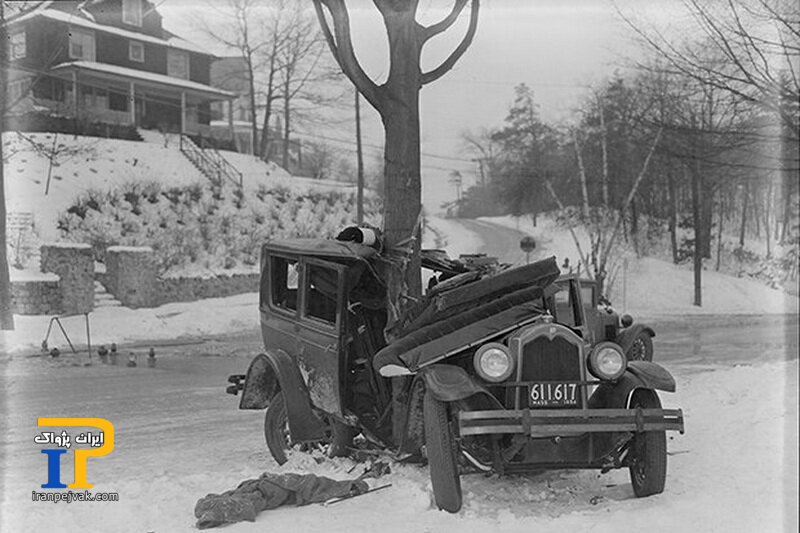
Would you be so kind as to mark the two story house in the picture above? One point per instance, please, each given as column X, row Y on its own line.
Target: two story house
column 110, row 61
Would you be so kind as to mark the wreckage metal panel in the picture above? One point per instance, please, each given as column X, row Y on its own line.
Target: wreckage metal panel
column 444, row 331
column 321, row 248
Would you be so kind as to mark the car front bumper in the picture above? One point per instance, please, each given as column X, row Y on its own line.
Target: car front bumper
column 553, row 422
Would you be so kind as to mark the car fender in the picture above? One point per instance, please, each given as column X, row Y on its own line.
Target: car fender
column 625, row 338
column 639, row 375
column 273, row 371
column 449, row 383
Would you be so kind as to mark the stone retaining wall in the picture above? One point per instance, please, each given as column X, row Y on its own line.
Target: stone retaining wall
column 131, row 276
column 36, row 296
column 74, row 265
column 186, row 289
column 68, row 287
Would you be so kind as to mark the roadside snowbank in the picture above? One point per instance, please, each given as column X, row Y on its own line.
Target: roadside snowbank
column 123, row 325
column 650, row 287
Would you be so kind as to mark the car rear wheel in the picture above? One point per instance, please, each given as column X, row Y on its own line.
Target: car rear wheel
column 276, row 428
column 641, row 348
column 441, row 449
column 648, row 452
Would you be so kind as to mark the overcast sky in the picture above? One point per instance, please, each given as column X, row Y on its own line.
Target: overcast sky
column 557, row 47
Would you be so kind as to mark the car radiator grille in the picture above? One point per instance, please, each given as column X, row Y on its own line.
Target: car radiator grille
column 544, row 360
column 550, row 360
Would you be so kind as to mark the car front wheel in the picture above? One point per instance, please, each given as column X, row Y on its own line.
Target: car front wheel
column 648, row 452
column 441, row 449
column 276, row 428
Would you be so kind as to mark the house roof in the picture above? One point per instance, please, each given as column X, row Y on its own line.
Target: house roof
column 144, row 76
column 171, row 40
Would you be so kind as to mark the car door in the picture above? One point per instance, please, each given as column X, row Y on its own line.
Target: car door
column 318, row 331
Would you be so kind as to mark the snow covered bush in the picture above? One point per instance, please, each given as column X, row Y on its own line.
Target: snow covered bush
column 215, row 227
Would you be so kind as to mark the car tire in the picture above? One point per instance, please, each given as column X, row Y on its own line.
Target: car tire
column 276, row 428
column 647, row 459
column 641, row 348
column 441, row 449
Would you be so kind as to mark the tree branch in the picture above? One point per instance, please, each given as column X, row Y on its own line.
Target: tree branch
column 448, row 63
column 444, row 24
column 629, row 199
column 341, row 45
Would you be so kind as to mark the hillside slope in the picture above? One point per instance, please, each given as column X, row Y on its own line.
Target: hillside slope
column 81, row 163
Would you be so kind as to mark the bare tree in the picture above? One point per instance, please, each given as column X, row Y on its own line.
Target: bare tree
column 397, row 102
column 258, row 34
column 756, row 47
column 302, row 69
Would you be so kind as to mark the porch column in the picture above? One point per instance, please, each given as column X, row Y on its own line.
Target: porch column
column 183, row 112
column 230, row 122
column 75, row 93
column 132, row 103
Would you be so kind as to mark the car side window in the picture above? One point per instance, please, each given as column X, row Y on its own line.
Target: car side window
column 587, row 295
column 567, row 311
column 564, row 314
column 285, row 278
column 322, row 292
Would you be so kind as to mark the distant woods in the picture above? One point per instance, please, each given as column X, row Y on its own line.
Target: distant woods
column 697, row 142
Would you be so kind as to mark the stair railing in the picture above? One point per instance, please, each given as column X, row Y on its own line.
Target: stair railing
column 210, row 162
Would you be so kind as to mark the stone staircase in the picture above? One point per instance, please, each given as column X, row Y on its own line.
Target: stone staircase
column 103, row 298
column 22, row 241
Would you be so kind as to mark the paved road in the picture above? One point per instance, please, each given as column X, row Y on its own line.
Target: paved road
column 499, row 242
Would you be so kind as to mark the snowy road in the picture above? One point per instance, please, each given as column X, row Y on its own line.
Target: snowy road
column 179, row 436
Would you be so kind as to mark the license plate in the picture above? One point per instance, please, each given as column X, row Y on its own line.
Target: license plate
column 553, row 394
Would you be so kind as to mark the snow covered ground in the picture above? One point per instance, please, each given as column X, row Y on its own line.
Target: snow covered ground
column 652, row 287
column 82, row 163
column 735, row 469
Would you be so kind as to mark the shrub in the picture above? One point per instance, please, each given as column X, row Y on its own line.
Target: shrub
column 216, row 226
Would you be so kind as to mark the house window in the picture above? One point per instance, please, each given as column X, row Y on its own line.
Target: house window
column 136, row 52
column 117, row 101
column 178, row 64
column 17, row 45
column 132, row 12
column 81, row 45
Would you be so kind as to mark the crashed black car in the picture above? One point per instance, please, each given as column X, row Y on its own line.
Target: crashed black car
column 507, row 371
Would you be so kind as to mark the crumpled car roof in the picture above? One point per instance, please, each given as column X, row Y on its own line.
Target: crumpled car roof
column 470, row 314
column 328, row 248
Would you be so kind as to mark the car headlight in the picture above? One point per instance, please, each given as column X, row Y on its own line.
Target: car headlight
column 607, row 361
column 493, row 362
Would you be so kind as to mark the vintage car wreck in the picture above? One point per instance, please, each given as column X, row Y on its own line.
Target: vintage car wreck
column 507, row 371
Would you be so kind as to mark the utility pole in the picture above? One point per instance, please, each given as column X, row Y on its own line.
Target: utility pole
column 360, row 159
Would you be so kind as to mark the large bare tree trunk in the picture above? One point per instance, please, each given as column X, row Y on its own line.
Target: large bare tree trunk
column 397, row 101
